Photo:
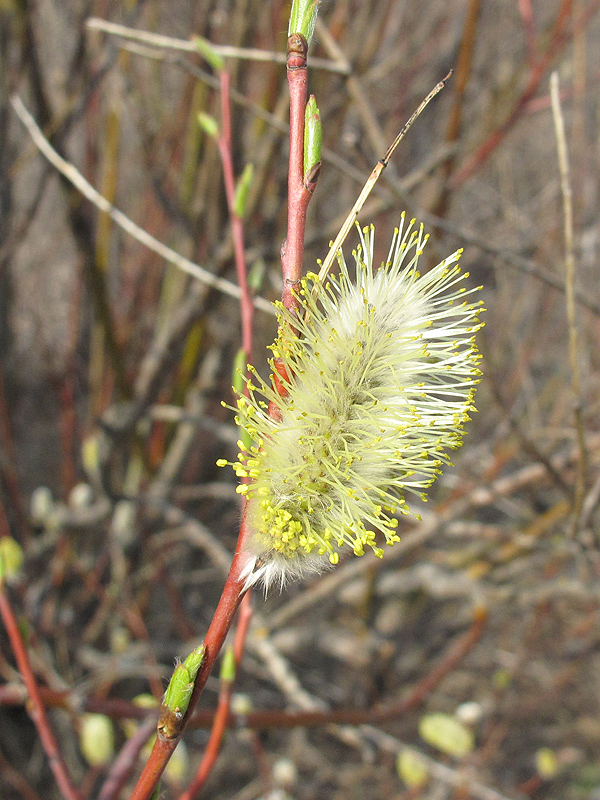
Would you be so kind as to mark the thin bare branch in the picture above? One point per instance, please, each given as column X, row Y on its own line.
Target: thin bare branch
column 122, row 220
column 567, row 194
column 188, row 46
column 372, row 180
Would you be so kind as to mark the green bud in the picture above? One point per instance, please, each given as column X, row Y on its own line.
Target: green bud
column 303, row 18
column 209, row 124
column 313, row 135
column 546, row 763
column 11, row 558
column 90, row 455
column 242, row 190
column 228, row 666
column 208, row 53
column 96, row 739
column 181, row 685
column 411, row 768
column 179, row 690
column 256, row 274
column 194, row 661
column 239, row 371
column 447, row 733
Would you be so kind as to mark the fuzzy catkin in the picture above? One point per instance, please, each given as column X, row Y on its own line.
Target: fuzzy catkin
column 381, row 378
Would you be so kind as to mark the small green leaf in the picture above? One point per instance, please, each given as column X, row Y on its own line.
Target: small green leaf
column 208, row 53
column 411, row 767
column 303, row 18
column 209, row 124
column 242, row 190
column 447, row 734
column 313, row 135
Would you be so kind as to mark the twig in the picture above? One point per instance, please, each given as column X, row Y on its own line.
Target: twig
column 37, row 709
column 224, row 702
column 462, row 74
column 184, row 45
column 372, row 180
column 442, row 772
column 567, row 194
column 526, row 12
column 126, row 761
column 298, row 194
column 237, row 226
column 222, row 714
column 222, row 620
column 87, row 190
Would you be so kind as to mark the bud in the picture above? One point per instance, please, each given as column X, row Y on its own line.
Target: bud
column 11, row 558
column 41, row 504
column 303, row 18
column 242, row 191
column 96, row 739
column 208, row 53
column 447, row 733
column 181, row 685
column 209, row 124
column 313, row 137
column 411, row 767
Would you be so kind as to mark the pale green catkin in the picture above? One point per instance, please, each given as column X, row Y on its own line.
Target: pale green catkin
column 381, row 381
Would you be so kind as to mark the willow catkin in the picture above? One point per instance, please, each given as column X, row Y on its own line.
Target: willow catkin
column 381, row 378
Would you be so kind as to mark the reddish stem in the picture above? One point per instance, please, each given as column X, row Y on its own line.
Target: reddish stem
column 231, row 597
column 526, row 12
column 119, row 709
column 126, row 760
column 237, row 226
column 221, row 717
column 298, row 194
column 37, row 710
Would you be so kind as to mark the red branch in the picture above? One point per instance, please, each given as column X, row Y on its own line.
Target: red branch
column 37, row 710
column 222, row 713
column 224, row 145
column 213, row 641
column 298, row 194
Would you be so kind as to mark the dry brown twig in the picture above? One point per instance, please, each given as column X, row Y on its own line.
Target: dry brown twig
column 567, row 196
